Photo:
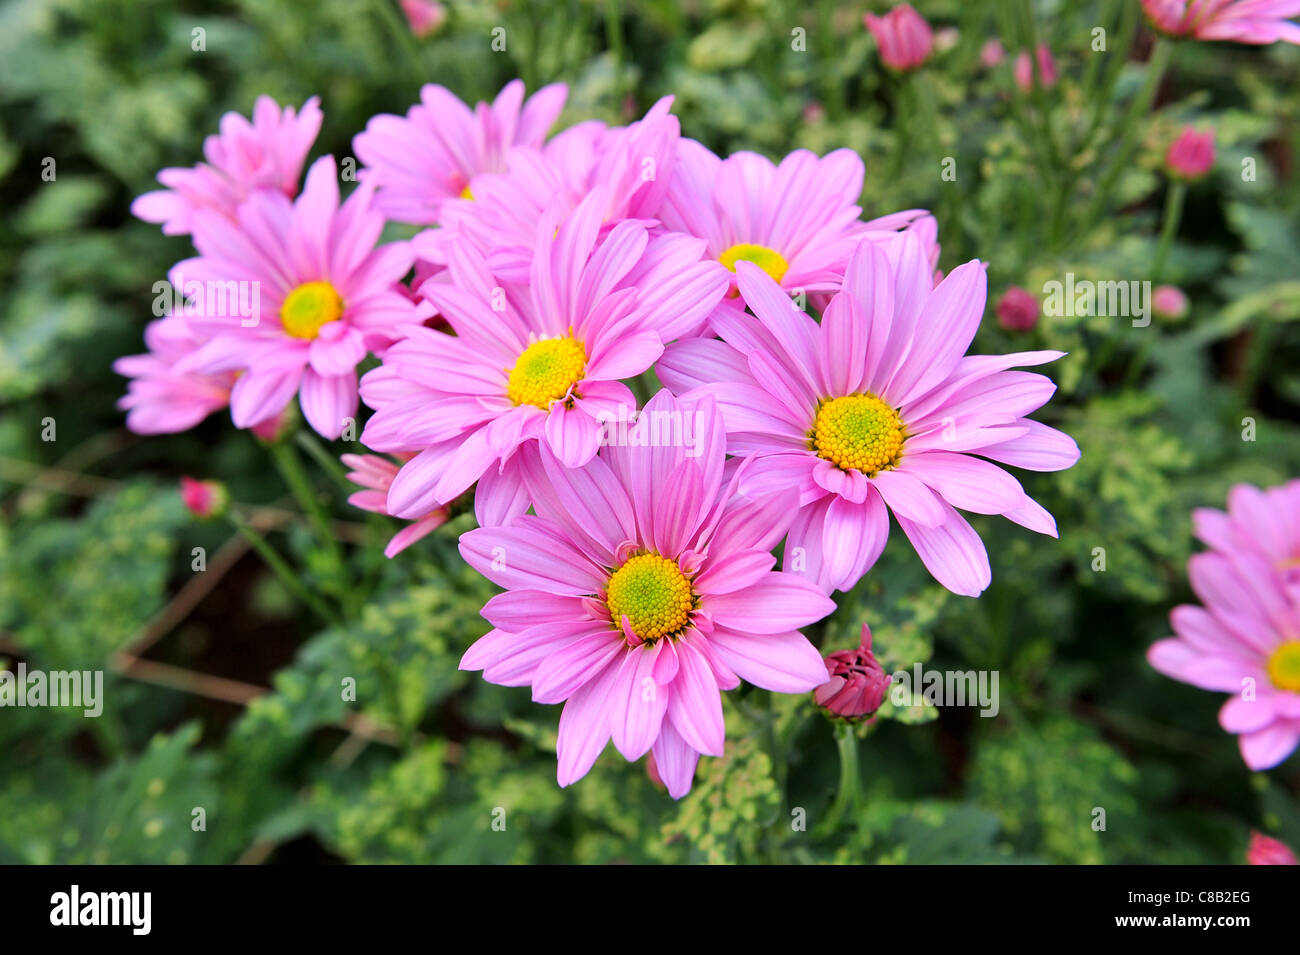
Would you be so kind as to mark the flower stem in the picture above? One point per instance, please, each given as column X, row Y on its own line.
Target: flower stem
column 1173, row 215
column 291, row 469
column 282, row 570
column 329, row 464
column 846, row 799
column 1157, row 63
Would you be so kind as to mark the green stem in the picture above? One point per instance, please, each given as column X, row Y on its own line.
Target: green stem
column 846, row 799
column 291, row 469
column 401, row 32
column 1173, row 215
column 1129, row 125
column 329, row 464
column 283, row 570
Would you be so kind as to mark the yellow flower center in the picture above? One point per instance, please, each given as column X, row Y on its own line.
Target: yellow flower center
column 546, row 372
column 769, row 260
column 1284, row 666
column 308, row 307
column 858, row 432
column 653, row 593
column 466, row 194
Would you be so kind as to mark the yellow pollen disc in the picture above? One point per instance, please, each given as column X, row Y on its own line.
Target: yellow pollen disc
column 858, row 432
column 1291, row 563
column 546, row 371
column 769, row 260
column 654, row 594
column 1284, row 666
column 308, row 307
column 466, row 194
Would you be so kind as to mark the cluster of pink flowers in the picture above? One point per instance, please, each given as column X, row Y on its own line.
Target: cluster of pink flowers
column 635, row 544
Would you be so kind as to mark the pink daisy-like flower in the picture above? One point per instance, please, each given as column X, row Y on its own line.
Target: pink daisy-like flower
column 267, row 153
column 1262, row 523
column 1244, row 640
column 324, row 295
column 434, row 153
column 161, row 399
column 632, row 165
column 539, row 362
column 374, row 474
column 878, row 409
column 797, row 221
column 1256, row 22
column 642, row 587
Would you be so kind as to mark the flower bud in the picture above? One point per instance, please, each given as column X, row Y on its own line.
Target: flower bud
column 206, row 500
column 857, row 683
column 1018, row 310
column 1191, row 155
column 1024, row 73
column 1169, row 301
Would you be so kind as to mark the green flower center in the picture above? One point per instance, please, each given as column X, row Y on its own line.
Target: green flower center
column 858, row 432
column 654, row 595
column 769, row 260
column 1284, row 666
column 546, row 372
column 308, row 307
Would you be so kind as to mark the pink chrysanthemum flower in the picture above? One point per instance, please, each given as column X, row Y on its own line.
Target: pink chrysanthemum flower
column 161, row 399
column 541, row 362
column 1265, row 523
column 374, row 474
column 797, row 221
column 641, row 588
column 324, row 295
column 631, row 164
column 1257, row 22
column 434, row 153
column 874, row 410
column 267, row 153
column 1245, row 639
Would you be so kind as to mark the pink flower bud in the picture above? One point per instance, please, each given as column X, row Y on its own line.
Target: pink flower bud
column 1023, row 71
column 857, row 683
column 903, row 36
column 206, row 500
column 992, row 53
column 1018, row 310
column 1191, row 155
column 1169, row 301
column 1265, row 850
column 423, row 16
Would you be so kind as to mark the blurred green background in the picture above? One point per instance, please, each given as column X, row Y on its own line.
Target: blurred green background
column 95, row 544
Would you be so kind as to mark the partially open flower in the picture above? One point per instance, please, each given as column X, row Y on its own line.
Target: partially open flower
column 206, row 500
column 857, row 681
column 903, row 36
